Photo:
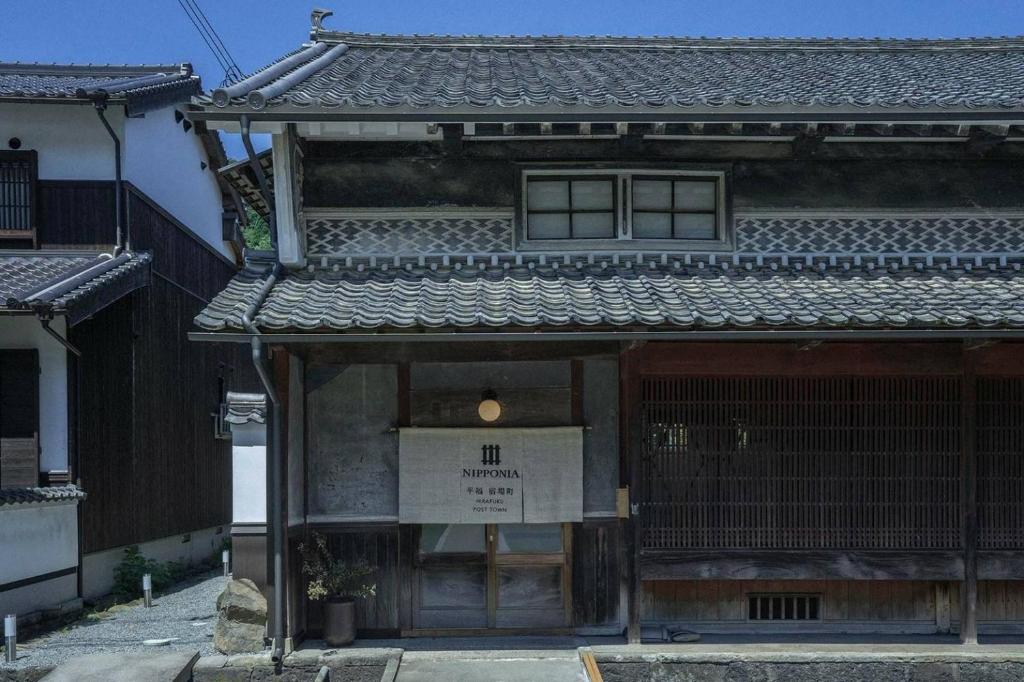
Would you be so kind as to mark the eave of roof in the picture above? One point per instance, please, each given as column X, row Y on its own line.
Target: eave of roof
column 611, row 300
column 139, row 87
column 75, row 285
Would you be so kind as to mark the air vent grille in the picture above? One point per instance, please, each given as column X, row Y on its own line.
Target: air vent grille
column 784, row 606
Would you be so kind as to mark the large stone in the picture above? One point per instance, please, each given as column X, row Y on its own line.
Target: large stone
column 242, row 602
column 233, row 637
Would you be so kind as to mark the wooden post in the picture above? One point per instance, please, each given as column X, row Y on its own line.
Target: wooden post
column 968, row 501
column 630, row 439
column 942, row 625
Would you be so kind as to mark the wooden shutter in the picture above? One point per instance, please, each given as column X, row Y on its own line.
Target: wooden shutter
column 19, row 418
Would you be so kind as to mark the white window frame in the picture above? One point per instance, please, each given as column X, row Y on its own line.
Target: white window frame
column 624, row 240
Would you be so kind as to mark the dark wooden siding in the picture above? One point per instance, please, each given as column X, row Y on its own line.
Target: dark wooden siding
column 105, row 453
column 378, row 547
column 148, row 457
column 75, row 213
column 764, row 175
column 595, row 573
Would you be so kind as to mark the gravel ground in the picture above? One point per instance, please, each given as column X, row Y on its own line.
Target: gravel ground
column 187, row 613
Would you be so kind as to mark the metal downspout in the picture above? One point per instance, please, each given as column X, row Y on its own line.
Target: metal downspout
column 44, row 320
column 260, row 363
column 261, row 179
column 100, row 102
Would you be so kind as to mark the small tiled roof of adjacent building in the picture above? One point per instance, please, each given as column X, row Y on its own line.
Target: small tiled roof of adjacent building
column 74, row 284
column 339, row 72
column 63, row 493
column 245, row 408
column 644, row 295
column 140, row 88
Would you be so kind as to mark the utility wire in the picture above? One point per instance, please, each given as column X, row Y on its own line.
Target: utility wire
column 213, row 41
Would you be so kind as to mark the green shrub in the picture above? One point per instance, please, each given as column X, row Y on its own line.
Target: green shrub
column 128, row 574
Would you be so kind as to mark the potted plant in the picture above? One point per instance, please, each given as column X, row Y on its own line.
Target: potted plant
column 337, row 584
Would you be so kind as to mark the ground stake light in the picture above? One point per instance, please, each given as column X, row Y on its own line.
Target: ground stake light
column 10, row 638
column 225, row 558
column 147, row 589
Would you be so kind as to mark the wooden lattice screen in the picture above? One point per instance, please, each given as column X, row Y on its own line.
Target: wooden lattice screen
column 17, row 186
column 801, row 462
column 1001, row 463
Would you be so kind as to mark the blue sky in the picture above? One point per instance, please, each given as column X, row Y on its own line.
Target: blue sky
column 257, row 31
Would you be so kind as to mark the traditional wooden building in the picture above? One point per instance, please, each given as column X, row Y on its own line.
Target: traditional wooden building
column 112, row 237
column 593, row 334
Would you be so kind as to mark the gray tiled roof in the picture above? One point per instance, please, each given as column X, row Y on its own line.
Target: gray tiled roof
column 358, row 71
column 140, row 87
column 34, row 280
column 29, row 495
column 594, row 296
column 243, row 408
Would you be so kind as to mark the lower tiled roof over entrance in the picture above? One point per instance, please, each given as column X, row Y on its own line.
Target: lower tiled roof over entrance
column 950, row 295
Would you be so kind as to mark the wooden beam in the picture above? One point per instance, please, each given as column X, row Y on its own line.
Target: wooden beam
column 783, row 359
column 942, row 614
column 358, row 353
column 968, row 501
column 801, row 565
column 630, row 475
column 576, row 384
column 404, row 382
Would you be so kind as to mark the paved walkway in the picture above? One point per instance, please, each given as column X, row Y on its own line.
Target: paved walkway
column 491, row 666
column 185, row 616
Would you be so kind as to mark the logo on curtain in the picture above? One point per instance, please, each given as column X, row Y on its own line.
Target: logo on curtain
column 491, row 455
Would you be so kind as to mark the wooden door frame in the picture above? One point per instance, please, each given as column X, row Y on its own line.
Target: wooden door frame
column 562, row 558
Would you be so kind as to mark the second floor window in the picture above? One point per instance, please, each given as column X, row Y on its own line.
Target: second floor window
column 17, row 190
column 571, row 208
column 677, row 209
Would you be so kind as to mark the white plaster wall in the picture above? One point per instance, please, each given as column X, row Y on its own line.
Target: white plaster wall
column 39, row 596
column 21, row 332
column 158, row 157
column 163, row 161
column 248, row 473
column 70, row 140
column 37, row 539
column 98, row 567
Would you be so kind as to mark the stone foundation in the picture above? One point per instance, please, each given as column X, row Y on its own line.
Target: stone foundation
column 351, row 665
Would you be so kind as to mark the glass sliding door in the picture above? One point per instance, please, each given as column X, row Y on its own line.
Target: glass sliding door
column 451, row 586
column 530, row 575
column 495, row 576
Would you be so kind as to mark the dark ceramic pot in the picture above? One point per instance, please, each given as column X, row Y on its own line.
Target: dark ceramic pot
column 339, row 621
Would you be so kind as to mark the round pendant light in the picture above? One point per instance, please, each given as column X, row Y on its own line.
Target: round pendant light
column 489, row 408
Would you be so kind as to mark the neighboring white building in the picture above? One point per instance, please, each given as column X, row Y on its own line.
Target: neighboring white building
column 90, row 313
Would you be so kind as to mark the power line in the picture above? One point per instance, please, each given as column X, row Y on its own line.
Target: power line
column 213, row 40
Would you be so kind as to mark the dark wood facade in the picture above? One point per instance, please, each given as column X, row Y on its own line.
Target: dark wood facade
column 845, row 470
column 146, row 450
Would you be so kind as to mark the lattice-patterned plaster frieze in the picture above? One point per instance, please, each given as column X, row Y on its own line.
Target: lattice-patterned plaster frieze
column 399, row 233
column 816, row 233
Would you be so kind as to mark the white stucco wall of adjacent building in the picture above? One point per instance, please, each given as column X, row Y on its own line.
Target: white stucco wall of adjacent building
column 24, row 332
column 248, row 473
column 98, row 567
column 164, row 161
column 69, row 139
column 158, row 156
column 39, row 538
